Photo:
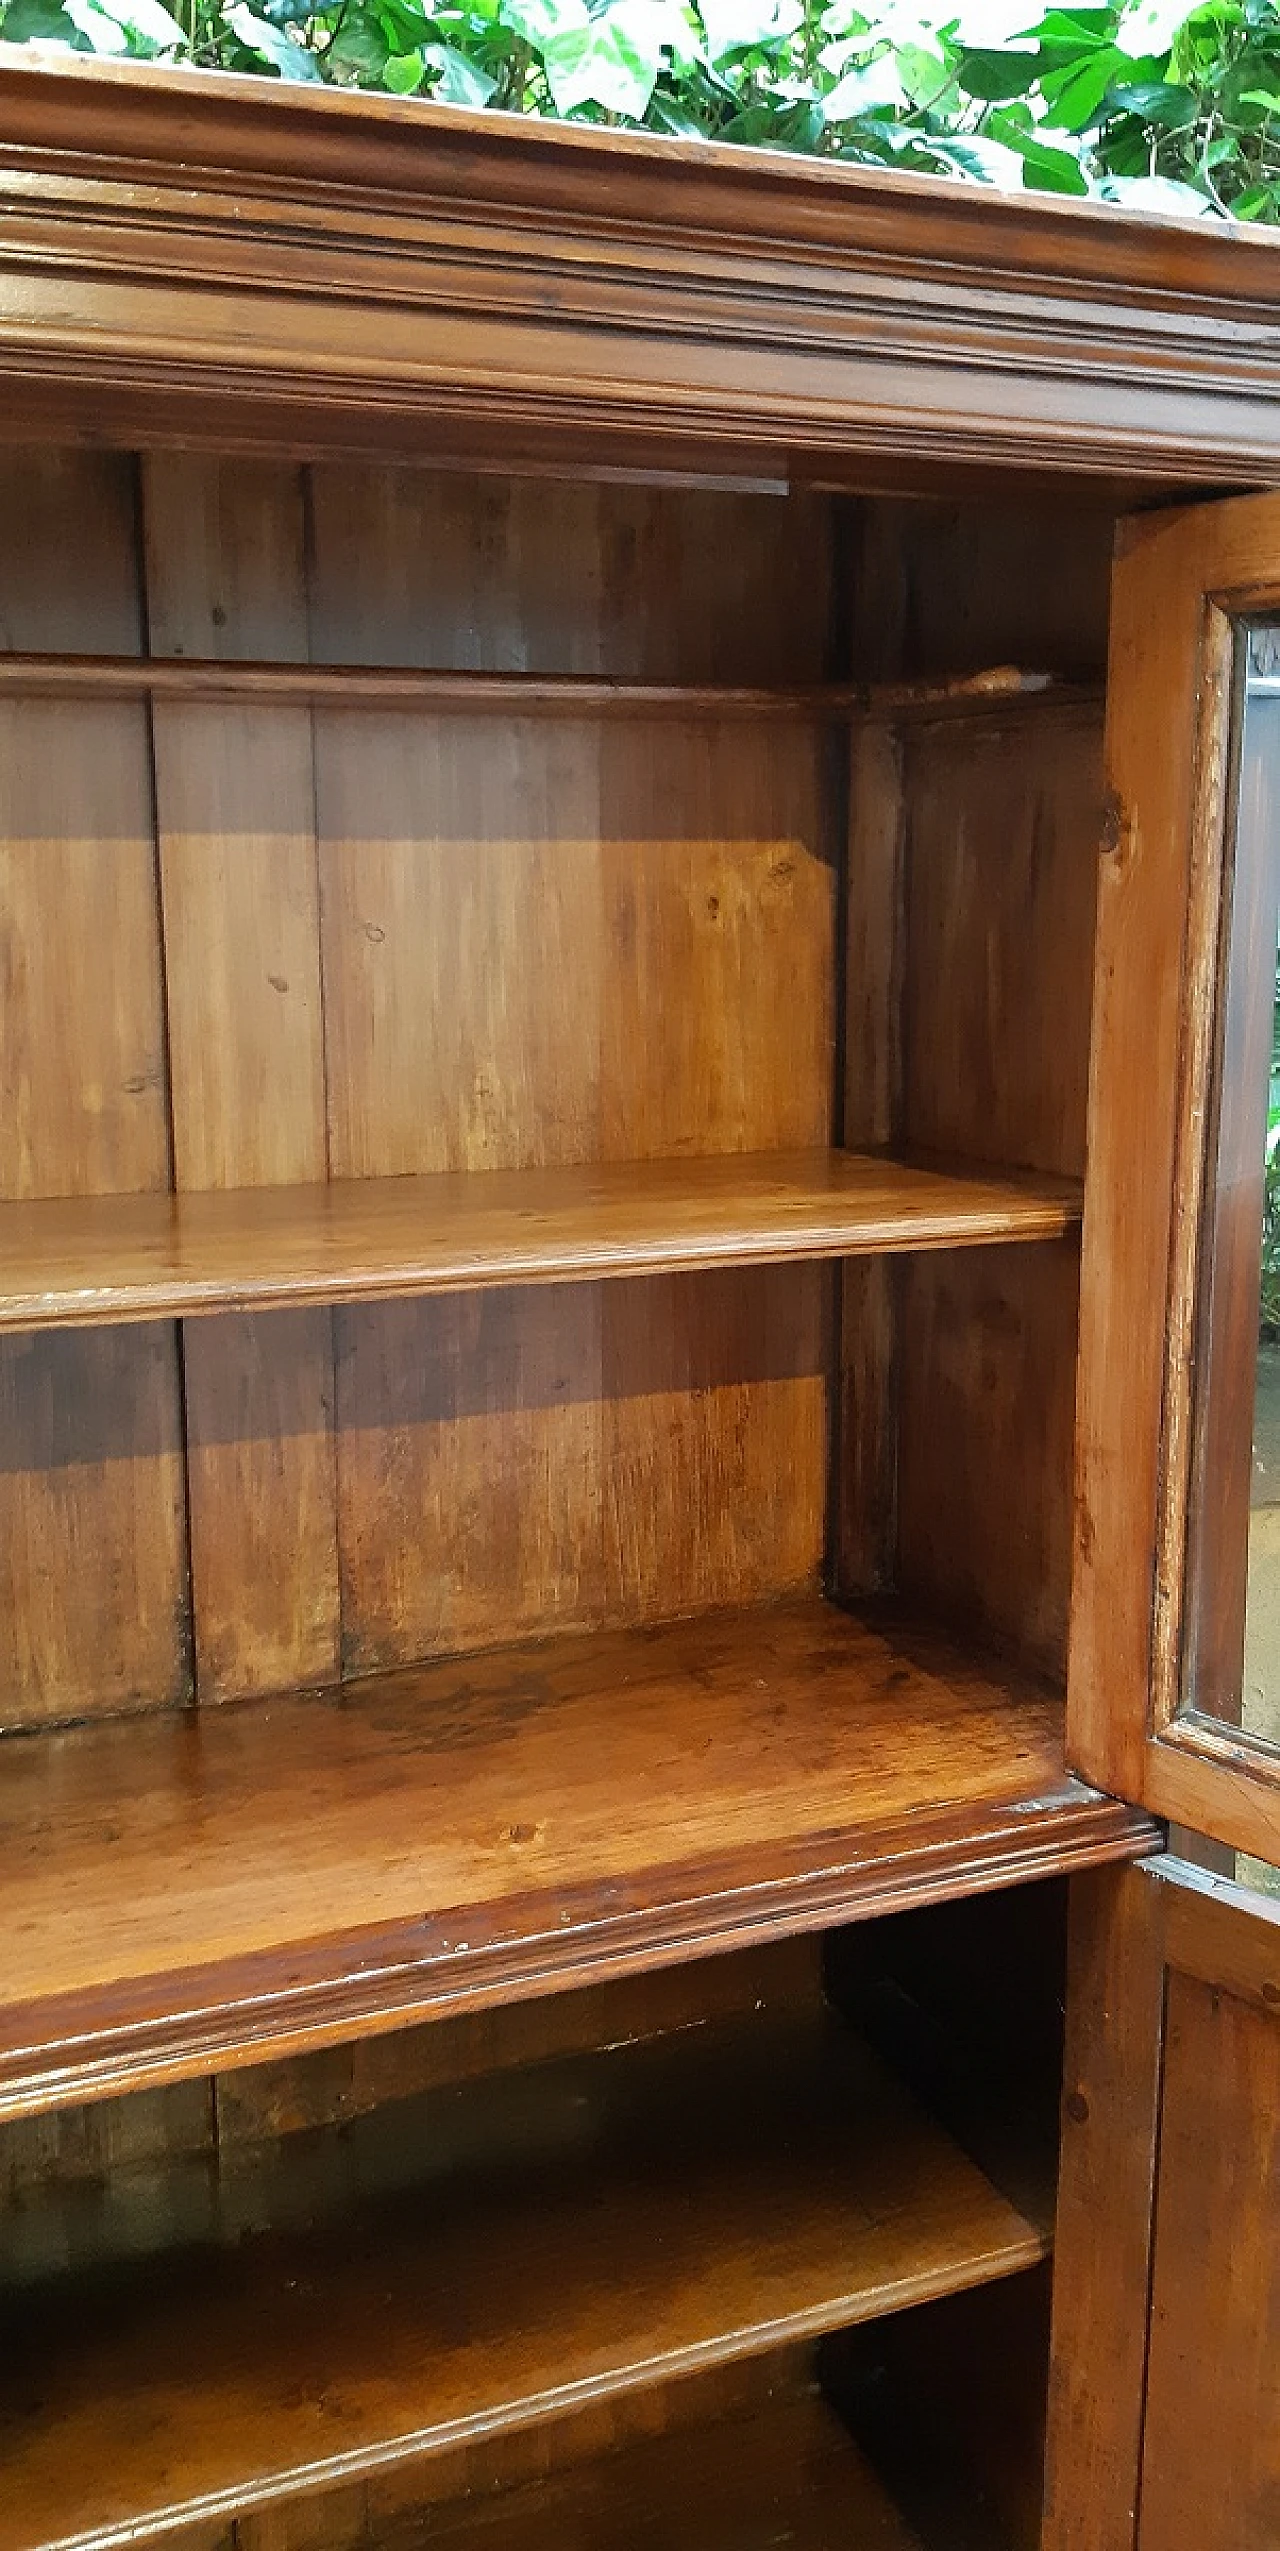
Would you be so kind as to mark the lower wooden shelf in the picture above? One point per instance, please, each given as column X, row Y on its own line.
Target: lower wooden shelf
column 202, row 1888
column 473, row 2261
column 785, row 2477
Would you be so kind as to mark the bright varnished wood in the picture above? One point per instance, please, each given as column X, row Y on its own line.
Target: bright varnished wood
column 261, row 1876
column 130, row 1257
column 646, row 2212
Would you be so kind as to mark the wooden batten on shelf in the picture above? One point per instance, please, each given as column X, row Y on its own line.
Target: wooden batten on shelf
column 608, row 992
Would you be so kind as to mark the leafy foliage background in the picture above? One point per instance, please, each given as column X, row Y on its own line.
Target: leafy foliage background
column 1140, row 102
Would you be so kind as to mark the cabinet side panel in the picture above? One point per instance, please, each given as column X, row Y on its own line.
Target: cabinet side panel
column 1004, row 821
column 224, row 546
column 93, row 1579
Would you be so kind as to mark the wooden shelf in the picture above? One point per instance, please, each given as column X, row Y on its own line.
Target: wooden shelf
column 484, row 2258
column 82, row 1260
column 179, row 1890
column 784, row 2477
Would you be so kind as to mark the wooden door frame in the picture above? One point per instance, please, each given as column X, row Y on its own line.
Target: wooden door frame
column 1180, row 581
column 1130, row 1930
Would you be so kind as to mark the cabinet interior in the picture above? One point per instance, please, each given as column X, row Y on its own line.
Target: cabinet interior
column 537, row 1336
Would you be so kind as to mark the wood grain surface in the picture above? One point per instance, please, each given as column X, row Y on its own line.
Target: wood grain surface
column 258, row 1875
column 94, row 1610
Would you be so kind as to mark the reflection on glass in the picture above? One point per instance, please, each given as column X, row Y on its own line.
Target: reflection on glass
column 1231, row 1661
column 1259, row 813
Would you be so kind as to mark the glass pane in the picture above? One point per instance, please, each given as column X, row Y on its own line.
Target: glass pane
column 1231, row 1663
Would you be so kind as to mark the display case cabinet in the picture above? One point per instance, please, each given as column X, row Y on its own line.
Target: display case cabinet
column 638, row 920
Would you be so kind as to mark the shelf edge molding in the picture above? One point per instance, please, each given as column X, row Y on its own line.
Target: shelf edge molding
column 84, row 1261
column 375, row 1981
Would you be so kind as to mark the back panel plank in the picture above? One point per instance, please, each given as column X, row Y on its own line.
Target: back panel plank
column 92, row 1542
column 554, row 943
column 234, row 794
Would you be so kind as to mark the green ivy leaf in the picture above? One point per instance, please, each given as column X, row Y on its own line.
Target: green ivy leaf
column 291, row 60
column 359, row 50
column 613, row 62
column 737, row 26
column 460, row 82
column 1157, row 195
column 924, row 73
column 875, row 84
column 104, row 34
column 997, row 75
column 1257, row 203
column 540, row 21
column 404, row 73
column 37, row 22
column 145, row 21
column 1157, row 102
column 1047, row 165
column 1150, row 27
column 1075, row 97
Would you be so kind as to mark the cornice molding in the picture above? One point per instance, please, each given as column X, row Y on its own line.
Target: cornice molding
column 192, row 257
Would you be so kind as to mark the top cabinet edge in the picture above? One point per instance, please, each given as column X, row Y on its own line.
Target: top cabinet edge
column 196, row 257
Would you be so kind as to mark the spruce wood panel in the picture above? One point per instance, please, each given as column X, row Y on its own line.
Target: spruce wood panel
column 545, row 944
column 77, row 1262
column 591, row 1452
column 624, row 585
column 985, row 1444
column 785, row 2473
column 442, row 2272
column 262, row 1876
column 236, row 820
column 92, row 1556
column 1004, row 830
column 1005, row 825
column 470, row 1441
column 555, row 944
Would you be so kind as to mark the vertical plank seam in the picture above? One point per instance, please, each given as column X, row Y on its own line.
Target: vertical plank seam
column 331, row 1322
column 896, row 1025
column 836, row 750
column 189, row 1659
column 1148, row 2301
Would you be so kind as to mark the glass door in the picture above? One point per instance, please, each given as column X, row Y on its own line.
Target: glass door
column 1175, row 1670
